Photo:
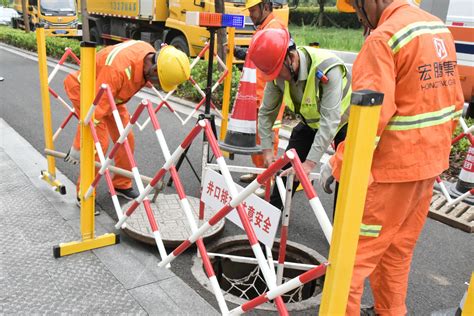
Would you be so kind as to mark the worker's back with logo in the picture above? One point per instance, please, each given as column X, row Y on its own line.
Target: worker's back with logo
column 422, row 103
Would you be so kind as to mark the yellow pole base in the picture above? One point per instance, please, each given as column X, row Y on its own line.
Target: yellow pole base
column 57, row 186
column 69, row 248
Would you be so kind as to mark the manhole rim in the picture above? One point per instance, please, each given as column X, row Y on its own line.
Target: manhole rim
column 199, row 274
column 149, row 238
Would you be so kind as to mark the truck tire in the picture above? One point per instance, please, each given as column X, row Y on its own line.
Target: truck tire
column 14, row 23
column 180, row 43
column 94, row 36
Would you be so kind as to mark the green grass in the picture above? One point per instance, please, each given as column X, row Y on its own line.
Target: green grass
column 328, row 37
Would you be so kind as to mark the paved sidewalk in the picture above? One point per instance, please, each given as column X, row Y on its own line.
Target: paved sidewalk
column 123, row 278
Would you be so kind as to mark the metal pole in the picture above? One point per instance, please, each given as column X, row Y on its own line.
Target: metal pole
column 360, row 145
column 227, row 82
column 50, row 175
column 212, row 34
column 85, row 21
column 26, row 19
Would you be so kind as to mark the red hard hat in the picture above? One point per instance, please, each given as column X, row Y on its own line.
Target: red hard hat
column 268, row 51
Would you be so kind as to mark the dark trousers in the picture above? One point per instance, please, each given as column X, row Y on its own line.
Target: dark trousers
column 301, row 139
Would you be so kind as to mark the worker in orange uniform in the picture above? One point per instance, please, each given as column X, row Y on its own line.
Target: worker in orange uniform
column 410, row 57
column 261, row 14
column 125, row 68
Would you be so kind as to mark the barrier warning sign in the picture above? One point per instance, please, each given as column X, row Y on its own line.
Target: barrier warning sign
column 263, row 216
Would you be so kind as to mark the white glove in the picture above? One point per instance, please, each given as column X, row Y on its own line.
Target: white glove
column 73, row 156
column 326, row 178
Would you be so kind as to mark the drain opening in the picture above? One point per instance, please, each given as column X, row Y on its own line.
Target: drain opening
column 244, row 281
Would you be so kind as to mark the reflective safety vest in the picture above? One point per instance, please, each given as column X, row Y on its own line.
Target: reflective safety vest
column 309, row 107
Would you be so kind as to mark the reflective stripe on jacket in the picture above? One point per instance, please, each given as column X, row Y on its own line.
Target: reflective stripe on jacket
column 309, row 108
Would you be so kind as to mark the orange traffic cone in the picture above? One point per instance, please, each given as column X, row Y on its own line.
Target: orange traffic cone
column 241, row 130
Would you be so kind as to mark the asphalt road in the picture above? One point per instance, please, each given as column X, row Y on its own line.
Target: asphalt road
column 443, row 259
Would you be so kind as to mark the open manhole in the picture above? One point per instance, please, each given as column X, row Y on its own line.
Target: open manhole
column 241, row 282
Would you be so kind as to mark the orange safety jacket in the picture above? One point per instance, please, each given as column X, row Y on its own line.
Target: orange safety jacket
column 121, row 67
column 271, row 22
column 411, row 58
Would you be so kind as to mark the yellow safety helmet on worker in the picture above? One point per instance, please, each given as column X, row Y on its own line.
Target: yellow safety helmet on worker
column 258, row 10
column 171, row 68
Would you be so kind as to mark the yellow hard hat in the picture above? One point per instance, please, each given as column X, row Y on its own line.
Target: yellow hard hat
column 172, row 67
column 345, row 6
column 251, row 3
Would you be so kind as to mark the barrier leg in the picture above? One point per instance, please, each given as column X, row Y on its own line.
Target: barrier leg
column 87, row 166
column 281, row 289
column 360, row 144
column 285, row 220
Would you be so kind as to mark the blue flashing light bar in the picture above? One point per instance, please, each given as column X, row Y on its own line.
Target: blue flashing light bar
column 233, row 20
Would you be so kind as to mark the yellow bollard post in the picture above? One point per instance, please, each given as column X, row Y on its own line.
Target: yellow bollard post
column 87, row 165
column 359, row 148
column 468, row 308
column 227, row 82
column 87, row 168
column 47, row 175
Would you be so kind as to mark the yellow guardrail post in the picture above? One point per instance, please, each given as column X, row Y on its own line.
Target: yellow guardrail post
column 468, row 308
column 47, row 175
column 87, row 165
column 357, row 161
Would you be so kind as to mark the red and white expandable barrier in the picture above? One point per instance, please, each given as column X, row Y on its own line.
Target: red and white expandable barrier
column 100, row 154
column 237, row 199
column 461, row 197
column 70, row 109
column 124, row 141
column 281, row 289
column 66, row 54
column 286, row 196
column 164, row 100
column 186, row 206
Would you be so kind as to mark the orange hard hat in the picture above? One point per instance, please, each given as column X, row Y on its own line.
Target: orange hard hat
column 268, row 50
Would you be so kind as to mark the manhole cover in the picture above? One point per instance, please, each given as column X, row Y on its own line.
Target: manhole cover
column 460, row 215
column 172, row 222
column 241, row 282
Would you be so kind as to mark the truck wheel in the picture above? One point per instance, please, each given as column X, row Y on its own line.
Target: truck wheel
column 14, row 23
column 94, row 36
column 180, row 43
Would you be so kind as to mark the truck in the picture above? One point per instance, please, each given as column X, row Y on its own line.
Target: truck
column 163, row 21
column 59, row 17
column 458, row 15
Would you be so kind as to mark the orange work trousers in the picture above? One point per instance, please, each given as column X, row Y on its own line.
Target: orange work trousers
column 106, row 129
column 258, row 158
column 398, row 211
